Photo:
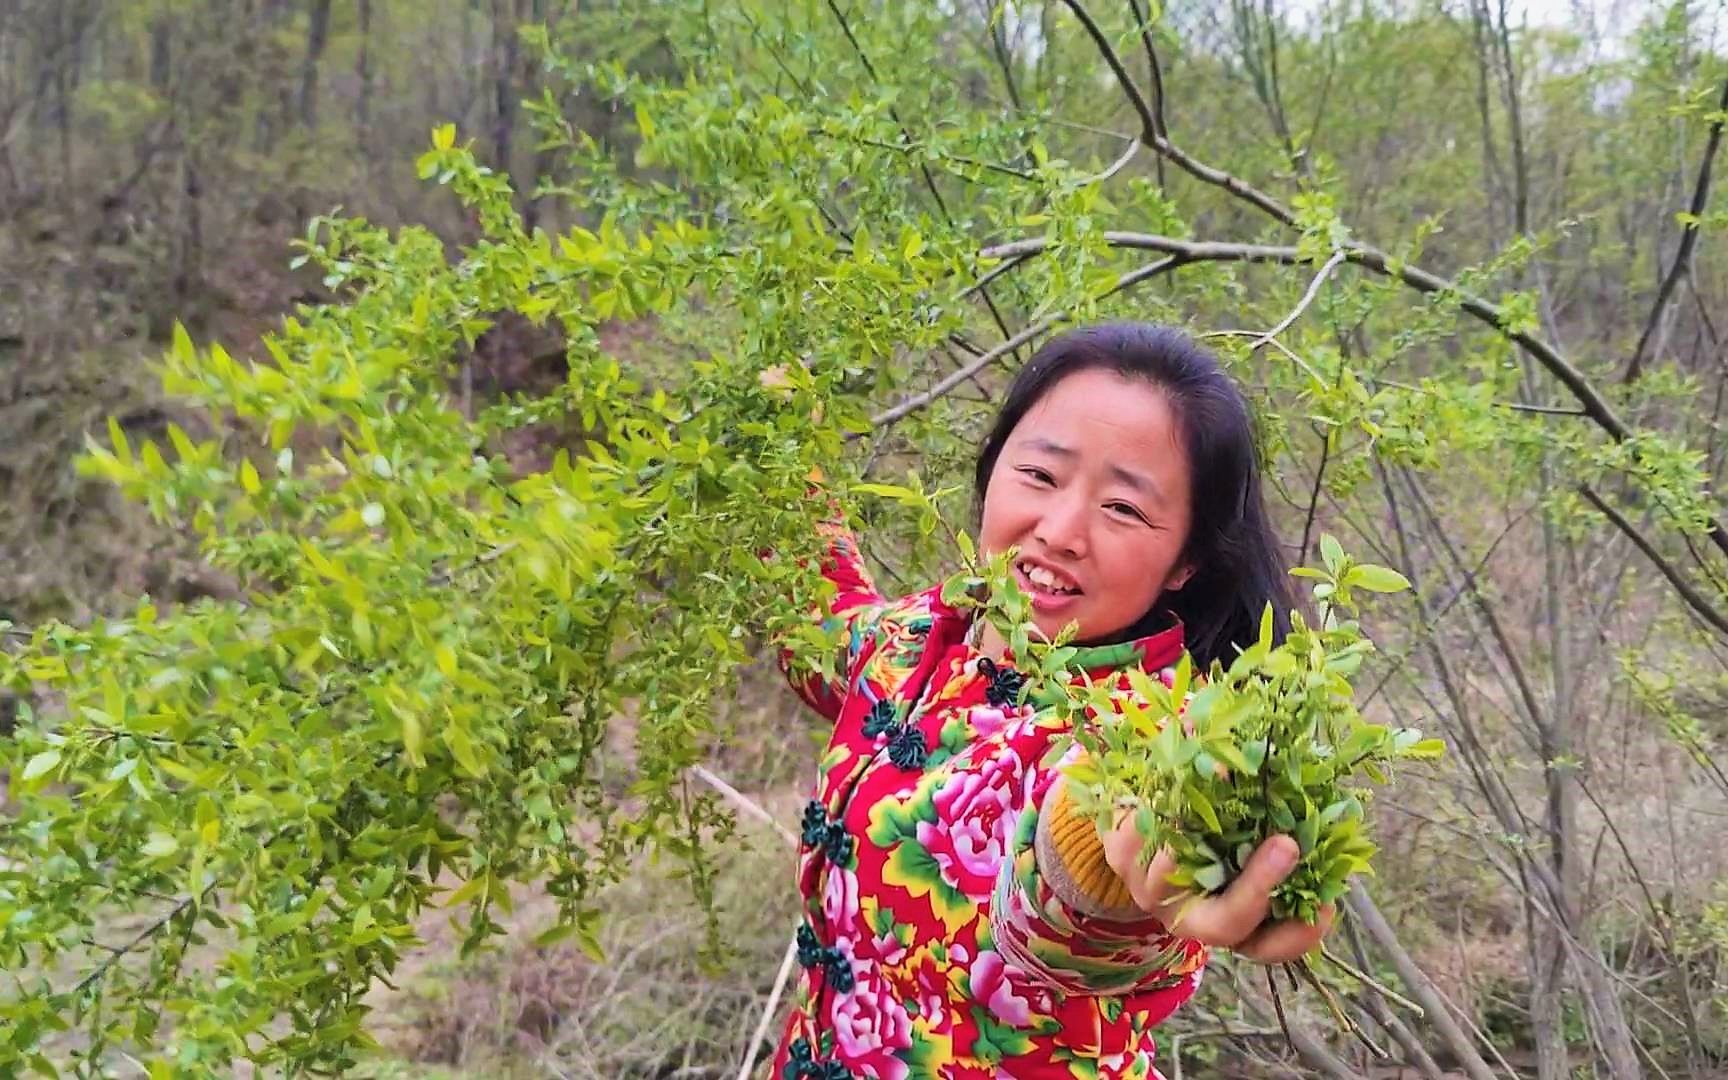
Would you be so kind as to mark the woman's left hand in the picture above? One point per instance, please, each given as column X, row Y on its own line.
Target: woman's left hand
column 1234, row 919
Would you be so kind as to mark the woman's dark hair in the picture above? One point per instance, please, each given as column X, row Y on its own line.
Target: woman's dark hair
column 1238, row 568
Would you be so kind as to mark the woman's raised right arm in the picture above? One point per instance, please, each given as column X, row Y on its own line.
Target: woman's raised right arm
column 851, row 613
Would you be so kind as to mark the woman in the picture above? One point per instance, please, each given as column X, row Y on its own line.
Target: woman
column 961, row 920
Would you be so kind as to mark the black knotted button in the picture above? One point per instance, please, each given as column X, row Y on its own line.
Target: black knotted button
column 830, row 836
column 905, row 742
column 880, row 721
column 1005, row 682
column 801, row 1064
column 907, row 749
column 800, row 1061
column 815, row 825
column 837, row 843
column 834, row 964
column 839, row 969
column 810, row 951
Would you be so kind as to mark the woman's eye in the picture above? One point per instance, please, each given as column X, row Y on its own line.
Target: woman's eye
column 1126, row 510
column 1037, row 474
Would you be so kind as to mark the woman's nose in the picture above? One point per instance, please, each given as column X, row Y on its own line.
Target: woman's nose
column 1062, row 529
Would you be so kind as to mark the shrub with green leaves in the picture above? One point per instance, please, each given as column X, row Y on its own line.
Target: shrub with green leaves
column 447, row 677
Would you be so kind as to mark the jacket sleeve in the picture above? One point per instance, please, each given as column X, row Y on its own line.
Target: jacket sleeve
column 1065, row 916
column 851, row 614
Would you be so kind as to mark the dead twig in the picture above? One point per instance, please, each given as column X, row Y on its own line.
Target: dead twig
column 742, row 802
column 768, row 1010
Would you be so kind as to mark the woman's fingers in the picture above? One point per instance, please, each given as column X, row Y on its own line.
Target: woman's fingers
column 1236, row 918
column 1283, row 942
column 1234, row 914
column 1122, row 849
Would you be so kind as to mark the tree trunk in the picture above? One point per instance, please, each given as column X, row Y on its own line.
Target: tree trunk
column 1556, row 920
column 11, row 91
column 542, row 158
column 1547, row 970
column 317, row 31
column 161, row 55
column 65, row 82
column 504, row 52
column 189, row 280
column 363, row 70
column 270, row 120
column 1554, row 737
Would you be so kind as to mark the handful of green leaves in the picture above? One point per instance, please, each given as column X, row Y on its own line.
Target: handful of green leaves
column 1213, row 763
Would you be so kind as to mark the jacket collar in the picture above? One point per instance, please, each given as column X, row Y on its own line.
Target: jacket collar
column 1151, row 653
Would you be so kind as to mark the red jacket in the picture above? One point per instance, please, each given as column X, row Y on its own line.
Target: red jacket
column 932, row 946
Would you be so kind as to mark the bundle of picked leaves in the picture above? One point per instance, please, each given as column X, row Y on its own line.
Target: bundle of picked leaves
column 1210, row 764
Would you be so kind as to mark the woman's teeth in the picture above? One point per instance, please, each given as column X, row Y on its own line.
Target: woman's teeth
column 1044, row 579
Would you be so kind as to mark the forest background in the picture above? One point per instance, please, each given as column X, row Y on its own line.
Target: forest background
column 1464, row 256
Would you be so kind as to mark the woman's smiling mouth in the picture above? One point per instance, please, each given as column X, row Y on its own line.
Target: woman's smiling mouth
column 1048, row 589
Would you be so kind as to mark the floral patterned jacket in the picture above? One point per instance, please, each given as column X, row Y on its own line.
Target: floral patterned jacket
column 932, row 946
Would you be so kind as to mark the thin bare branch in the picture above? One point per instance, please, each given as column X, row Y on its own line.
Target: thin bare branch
column 1119, row 164
column 1368, row 916
column 1366, row 980
column 1682, row 264
column 1694, row 599
column 769, row 1009
column 742, row 802
column 1149, row 127
column 1289, row 353
column 979, row 363
column 1004, row 59
column 1008, row 266
column 1314, row 492
column 1303, row 304
column 1154, row 70
column 908, row 147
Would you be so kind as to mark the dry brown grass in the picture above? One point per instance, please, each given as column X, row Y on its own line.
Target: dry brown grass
column 656, row 1005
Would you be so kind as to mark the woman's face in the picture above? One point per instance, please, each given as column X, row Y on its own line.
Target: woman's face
column 1092, row 487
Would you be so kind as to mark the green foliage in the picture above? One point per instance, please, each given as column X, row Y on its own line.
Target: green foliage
column 413, row 704
column 1212, row 763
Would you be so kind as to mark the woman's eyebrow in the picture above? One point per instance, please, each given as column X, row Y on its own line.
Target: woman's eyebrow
column 1138, row 481
column 1050, row 446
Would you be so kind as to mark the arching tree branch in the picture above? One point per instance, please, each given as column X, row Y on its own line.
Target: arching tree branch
column 1595, row 406
column 1694, row 599
column 983, row 360
column 1682, row 264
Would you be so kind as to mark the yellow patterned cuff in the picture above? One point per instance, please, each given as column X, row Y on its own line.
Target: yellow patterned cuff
column 1071, row 856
